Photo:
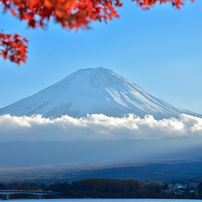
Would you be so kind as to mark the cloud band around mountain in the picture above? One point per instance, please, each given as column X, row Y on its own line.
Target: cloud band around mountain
column 96, row 127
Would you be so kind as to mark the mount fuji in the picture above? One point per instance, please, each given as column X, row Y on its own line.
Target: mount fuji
column 94, row 91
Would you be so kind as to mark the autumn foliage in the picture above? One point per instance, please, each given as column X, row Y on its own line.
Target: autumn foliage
column 70, row 14
column 13, row 48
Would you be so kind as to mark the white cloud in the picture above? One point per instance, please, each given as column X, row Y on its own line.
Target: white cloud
column 96, row 127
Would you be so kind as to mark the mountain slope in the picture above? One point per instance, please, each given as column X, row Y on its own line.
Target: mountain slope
column 94, row 91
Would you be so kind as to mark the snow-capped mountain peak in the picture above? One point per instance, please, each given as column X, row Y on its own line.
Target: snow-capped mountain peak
column 94, row 91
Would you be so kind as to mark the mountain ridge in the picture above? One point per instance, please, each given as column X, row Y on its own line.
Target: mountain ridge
column 94, row 91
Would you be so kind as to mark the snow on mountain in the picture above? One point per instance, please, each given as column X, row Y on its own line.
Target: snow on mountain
column 94, row 91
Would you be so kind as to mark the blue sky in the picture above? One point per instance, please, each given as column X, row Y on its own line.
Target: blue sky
column 159, row 50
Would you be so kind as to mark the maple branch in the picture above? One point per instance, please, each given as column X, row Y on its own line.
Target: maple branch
column 13, row 47
column 70, row 14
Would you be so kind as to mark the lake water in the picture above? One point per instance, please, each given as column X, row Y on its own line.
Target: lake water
column 103, row 200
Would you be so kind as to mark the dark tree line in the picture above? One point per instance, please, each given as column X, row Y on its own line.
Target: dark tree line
column 22, row 186
column 99, row 188
column 104, row 188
